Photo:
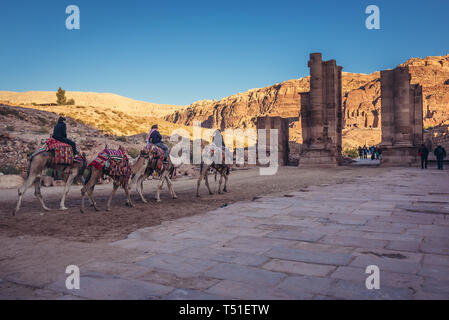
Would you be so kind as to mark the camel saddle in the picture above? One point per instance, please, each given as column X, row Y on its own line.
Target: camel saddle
column 114, row 163
column 157, row 154
column 62, row 152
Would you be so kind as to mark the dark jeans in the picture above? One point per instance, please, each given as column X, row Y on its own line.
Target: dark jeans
column 69, row 142
column 440, row 163
column 424, row 162
column 163, row 147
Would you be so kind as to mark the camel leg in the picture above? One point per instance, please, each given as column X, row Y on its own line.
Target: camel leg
column 89, row 188
column 225, row 189
column 206, row 179
column 30, row 180
column 128, row 197
column 158, row 191
column 38, row 194
column 72, row 176
column 219, row 183
column 114, row 190
column 198, row 183
column 139, row 187
column 170, row 187
column 90, row 193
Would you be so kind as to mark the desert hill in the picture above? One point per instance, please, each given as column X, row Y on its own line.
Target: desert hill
column 91, row 99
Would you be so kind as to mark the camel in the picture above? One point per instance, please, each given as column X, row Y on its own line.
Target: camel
column 95, row 174
column 222, row 169
column 165, row 172
column 45, row 160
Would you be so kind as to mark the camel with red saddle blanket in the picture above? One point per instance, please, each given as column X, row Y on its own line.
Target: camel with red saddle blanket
column 115, row 164
column 52, row 154
column 155, row 164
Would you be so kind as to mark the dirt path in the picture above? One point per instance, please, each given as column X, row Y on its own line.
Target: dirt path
column 117, row 224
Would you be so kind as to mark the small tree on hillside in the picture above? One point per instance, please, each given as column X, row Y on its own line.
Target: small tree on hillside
column 60, row 97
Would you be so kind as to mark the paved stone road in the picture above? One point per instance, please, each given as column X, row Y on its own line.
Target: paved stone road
column 311, row 244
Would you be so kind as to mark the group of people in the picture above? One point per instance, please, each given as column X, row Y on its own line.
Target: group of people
column 154, row 137
column 439, row 152
column 374, row 152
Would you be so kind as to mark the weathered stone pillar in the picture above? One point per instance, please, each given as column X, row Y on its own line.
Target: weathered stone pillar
column 340, row 114
column 322, row 115
column 402, row 121
column 316, row 100
column 403, row 107
column 387, row 114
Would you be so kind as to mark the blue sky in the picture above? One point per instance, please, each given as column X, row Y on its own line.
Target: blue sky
column 178, row 52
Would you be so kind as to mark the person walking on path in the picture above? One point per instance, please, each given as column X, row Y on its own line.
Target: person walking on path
column 423, row 152
column 440, row 153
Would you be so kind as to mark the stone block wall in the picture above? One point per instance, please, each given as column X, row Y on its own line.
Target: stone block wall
column 282, row 125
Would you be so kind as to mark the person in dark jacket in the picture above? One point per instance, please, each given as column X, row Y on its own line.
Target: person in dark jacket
column 60, row 134
column 440, row 153
column 155, row 138
column 360, row 152
column 423, row 152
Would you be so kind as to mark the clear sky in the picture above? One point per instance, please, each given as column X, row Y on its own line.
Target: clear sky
column 178, row 52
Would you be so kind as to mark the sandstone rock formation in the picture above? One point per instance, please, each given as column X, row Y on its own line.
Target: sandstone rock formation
column 361, row 101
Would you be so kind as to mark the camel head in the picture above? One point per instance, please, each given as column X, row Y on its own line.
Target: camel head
column 145, row 153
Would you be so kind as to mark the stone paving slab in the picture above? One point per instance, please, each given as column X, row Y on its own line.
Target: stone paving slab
column 326, row 258
column 314, row 244
column 102, row 286
column 251, row 275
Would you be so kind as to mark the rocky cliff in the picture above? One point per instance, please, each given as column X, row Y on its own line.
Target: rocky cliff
column 361, row 100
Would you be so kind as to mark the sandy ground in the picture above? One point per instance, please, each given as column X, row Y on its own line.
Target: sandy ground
column 122, row 220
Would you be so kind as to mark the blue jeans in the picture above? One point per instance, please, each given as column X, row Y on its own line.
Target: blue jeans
column 163, row 147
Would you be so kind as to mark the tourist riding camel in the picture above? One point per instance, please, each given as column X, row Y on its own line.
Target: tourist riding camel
column 155, row 138
column 156, row 163
column 60, row 134
column 217, row 163
column 56, row 155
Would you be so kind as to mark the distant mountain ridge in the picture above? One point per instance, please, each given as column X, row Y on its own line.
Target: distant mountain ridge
column 87, row 99
column 361, row 99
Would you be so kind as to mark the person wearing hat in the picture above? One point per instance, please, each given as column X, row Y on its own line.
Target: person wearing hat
column 60, row 134
column 155, row 138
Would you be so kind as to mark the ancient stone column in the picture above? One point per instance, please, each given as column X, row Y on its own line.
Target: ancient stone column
column 322, row 116
column 387, row 114
column 402, row 120
column 403, row 107
column 316, row 100
column 417, row 118
column 340, row 114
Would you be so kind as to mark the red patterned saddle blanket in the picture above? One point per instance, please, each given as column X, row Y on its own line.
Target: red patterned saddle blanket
column 63, row 152
column 114, row 163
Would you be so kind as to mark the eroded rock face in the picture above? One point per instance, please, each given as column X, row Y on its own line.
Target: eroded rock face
column 361, row 100
column 241, row 110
